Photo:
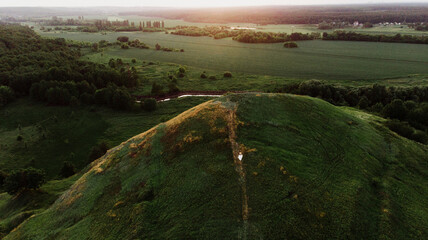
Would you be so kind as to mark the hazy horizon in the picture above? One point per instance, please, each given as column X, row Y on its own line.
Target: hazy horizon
column 191, row 3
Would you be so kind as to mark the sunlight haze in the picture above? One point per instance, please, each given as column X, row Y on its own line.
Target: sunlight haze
column 187, row 3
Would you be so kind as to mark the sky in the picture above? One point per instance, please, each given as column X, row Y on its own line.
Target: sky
column 183, row 3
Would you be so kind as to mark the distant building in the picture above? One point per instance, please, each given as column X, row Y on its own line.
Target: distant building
column 356, row 23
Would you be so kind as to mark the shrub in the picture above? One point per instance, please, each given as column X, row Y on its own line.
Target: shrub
column 290, row 45
column 19, row 138
column 158, row 47
column 157, row 89
column 24, row 179
column 172, row 88
column 98, row 151
column 3, row 176
column 124, row 46
column 227, row 75
column 181, row 69
column 420, row 136
column 212, row 77
column 6, row 95
column 123, row 39
column 180, row 75
column 67, row 170
column 395, row 109
column 203, row 75
column 402, row 128
column 134, row 60
column 363, row 103
column 149, row 104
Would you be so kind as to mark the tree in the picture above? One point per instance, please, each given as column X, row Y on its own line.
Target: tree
column 24, row 179
column 67, row 170
column 95, row 47
column 290, row 45
column 227, row 75
column 363, row 103
column 123, row 39
column 395, row 109
column 149, row 104
column 158, row 47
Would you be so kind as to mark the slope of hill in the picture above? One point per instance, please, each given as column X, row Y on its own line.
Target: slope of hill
column 309, row 171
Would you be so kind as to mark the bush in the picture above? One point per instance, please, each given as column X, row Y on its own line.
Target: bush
column 3, row 176
column 124, row 46
column 290, row 45
column 363, row 103
column 6, row 95
column 157, row 89
column 395, row 109
column 134, row 60
column 181, row 69
column 172, row 88
column 203, row 75
column 24, row 179
column 67, row 170
column 158, row 47
column 123, row 39
column 98, row 151
column 149, row 104
column 402, row 128
column 420, row 136
column 213, row 77
column 227, row 75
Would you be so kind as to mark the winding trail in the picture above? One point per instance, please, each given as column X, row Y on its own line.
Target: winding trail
column 232, row 126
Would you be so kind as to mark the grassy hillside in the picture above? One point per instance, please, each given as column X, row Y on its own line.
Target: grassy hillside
column 54, row 134
column 309, row 170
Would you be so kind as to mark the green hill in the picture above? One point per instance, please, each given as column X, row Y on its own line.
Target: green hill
column 310, row 170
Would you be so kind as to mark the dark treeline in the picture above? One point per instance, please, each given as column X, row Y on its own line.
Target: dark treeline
column 419, row 26
column 269, row 37
column 243, row 35
column 407, row 107
column 298, row 14
column 353, row 36
column 97, row 25
column 51, row 70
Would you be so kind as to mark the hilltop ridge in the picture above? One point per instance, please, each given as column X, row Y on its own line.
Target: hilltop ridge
column 309, row 170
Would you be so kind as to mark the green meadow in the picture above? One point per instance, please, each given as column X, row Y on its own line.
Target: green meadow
column 325, row 60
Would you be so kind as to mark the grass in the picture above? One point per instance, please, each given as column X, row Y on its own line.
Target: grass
column 325, row 60
column 313, row 170
column 52, row 135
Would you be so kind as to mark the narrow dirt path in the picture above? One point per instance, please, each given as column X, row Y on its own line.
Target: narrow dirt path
column 232, row 126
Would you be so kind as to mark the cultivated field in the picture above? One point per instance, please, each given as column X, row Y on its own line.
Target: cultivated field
column 313, row 59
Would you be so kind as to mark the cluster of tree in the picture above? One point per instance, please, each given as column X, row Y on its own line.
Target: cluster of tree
column 166, row 49
column 137, row 44
column 217, row 32
column 100, row 25
column 419, row 26
column 297, row 14
column 290, row 45
column 149, row 104
column 408, row 105
column 51, row 69
column 353, row 36
column 22, row 180
column 270, row 37
column 332, row 25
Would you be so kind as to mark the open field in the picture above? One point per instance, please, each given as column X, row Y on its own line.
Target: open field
column 313, row 59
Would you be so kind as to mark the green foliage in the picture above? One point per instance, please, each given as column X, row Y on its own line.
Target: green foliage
column 123, row 39
column 227, row 74
column 212, row 77
column 149, row 104
column 6, row 95
column 67, row 170
column 322, row 187
column 290, row 45
column 24, row 179
column 98, row 151
column 363, row 103
column 203, row 75
column 395, row 109
column 353, row 36
column 157, row 89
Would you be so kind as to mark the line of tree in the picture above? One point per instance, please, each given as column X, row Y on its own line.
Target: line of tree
column 407, row 107
column 419, row 26
column 353, row 36
column 270, row 37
